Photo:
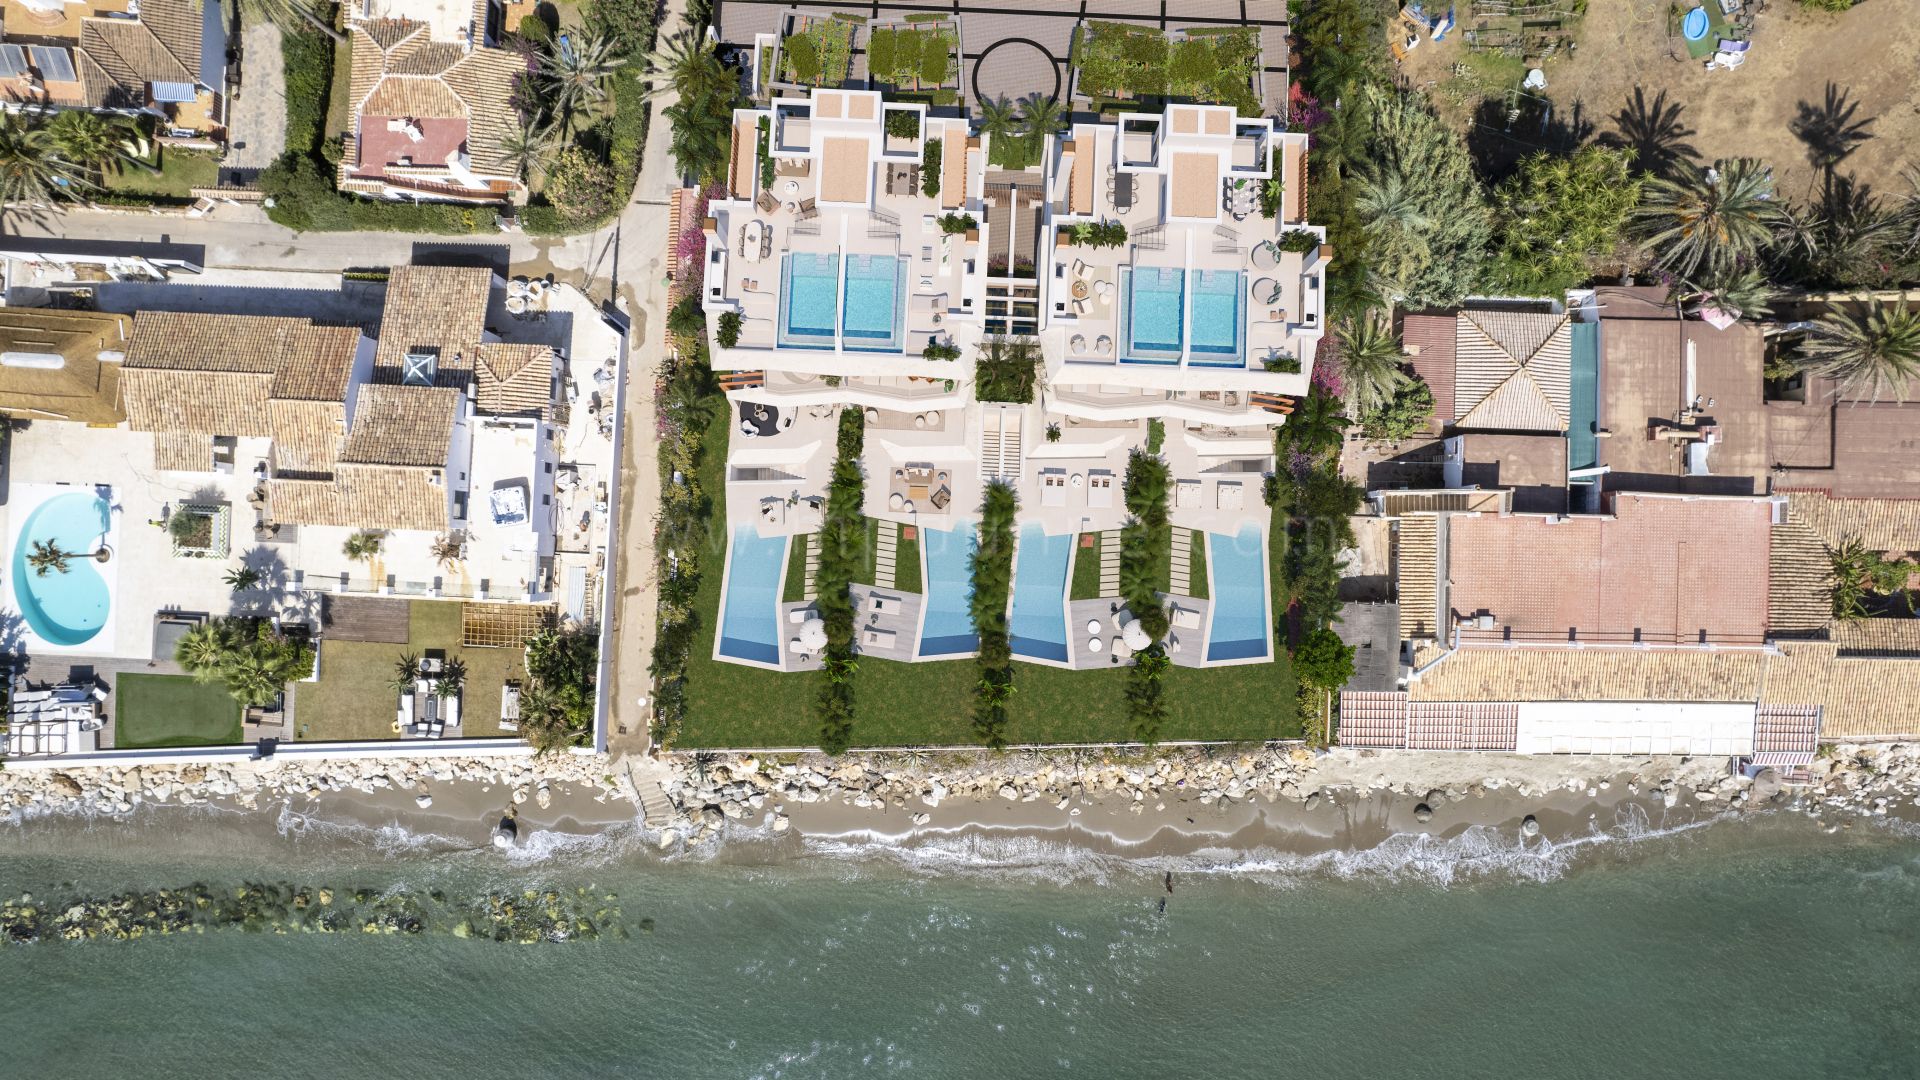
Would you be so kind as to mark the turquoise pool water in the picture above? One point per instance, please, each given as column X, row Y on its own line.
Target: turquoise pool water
column 809, row 295
column 876, row 315
column 750, row 616
column 69, row 608
column 1237, row 565
column 948, row 626
column 1155, row 299
column 1216, row 318
column 1039, row 623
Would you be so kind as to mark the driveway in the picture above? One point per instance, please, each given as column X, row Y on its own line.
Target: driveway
column 257, row 117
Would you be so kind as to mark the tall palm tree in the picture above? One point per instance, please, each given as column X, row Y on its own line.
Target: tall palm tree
column 47, row 556
column 1743, row 293
column 576, row 77
column 90, row 141
column 206, row 651
column 1709, row 219
column 1371, row 362
column 1040, row 115
column 529, row 147
column 686, row 64
column 32, row 169
column 293, row 16
column 997, row 119
column 1871, row 355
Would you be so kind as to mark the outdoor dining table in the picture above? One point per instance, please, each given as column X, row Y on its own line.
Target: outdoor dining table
column 1081, row 289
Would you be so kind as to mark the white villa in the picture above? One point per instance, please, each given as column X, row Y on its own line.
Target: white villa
column 1136, row 257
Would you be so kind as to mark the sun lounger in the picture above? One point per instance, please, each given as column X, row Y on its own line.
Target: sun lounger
column 797, row 616
column 1186, row 618
column 876, row 639
column 884, row 605
column 510, row 706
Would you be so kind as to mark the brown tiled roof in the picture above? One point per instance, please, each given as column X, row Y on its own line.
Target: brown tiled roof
column 1799, row 579
column 1635, row 302
column 401, row 426
column 1373, row 718
column 1512, row 371
column 396, row 71
column 436, row 307
column 213, row 374
column 317, row 363
column 515, row 380
column 1429, row 342
column 363, row 497
column 1489, row 673
column 1860, row 698
column 1881, row 524
column 1462, row 725
column 197, row 402
column 1878, row 637
column 1443, row 501
column 1416, row 553
column 118, row 57
column 306, row 436
column 179, row 452
column 84, row 388
column 1661, row 570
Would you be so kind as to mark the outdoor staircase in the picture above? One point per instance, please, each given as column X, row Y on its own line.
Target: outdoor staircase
column 1000, row 444
column 812, row 571
column 1182, row 562
column 643, row 775
column 884, row 552
column 1110, row 563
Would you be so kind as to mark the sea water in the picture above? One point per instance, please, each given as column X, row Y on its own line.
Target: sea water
column 1752, row 948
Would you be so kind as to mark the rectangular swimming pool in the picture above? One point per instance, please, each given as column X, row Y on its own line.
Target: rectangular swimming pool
column 1237, row 566
column 1155, row 306
column 876, row 313
column 946, row 628
column 1216, row 318
column 1039, row 624
column 750, row 612
column 809, row 296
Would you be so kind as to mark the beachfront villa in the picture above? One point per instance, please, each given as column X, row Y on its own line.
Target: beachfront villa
column 865, row 251
column 430, row 481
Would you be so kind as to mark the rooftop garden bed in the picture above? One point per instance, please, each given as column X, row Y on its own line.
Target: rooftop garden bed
column 915, row 58
column 1123, row 63
column 818, row 50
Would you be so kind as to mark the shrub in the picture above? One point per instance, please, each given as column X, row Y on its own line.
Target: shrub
column 728, row 332
column 803, row 58
column 581, row 188
column 686, row 320
column 991, row 567
column 1299, row 241
column 880, row 56
column 534, row 29
column 941, row 350
column 906, row 55
column 1006, row 369
column 1403, row 417
column 902, row 124
column 843, row 538
column 930, row 156
column 934, row 62
column 954, row 224
column 1323, row 661
column 308, row 59
column 1146, row 541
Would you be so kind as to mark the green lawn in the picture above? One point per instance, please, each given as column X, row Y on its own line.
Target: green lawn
column 928, row 704
column 906, row 563
column 795, row 588
column 1086, row 567
column 353, row 701
column 1197, row 579
column 869, row 557
column 180, row 172
column 340, row 93
column 172, row 710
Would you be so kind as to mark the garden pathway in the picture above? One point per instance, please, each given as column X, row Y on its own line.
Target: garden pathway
column 259, row 112
column 1110, row 563
column 1182, row 561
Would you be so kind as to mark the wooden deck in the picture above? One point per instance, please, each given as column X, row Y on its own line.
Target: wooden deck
column 365, row 618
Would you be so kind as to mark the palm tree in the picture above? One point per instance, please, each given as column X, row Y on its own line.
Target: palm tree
column 90, row 141
column 1654, row 132
column 1371, row 362
column 1040, row 115
column 686, row 63
column 997, row 118
column 242, row 578
column 406, row 673
column 32, row 169
column 254, row 678
column 47, row 556
column 448, row 550
column 1870, row 355
column 363, row 546
column 208, row 650
column 1709, row 219
column 529, row 147
column 1316, row 426
column 451, row 677
column 702, row 130
column 1745, row 294
column 293, row 16
column 576, row 76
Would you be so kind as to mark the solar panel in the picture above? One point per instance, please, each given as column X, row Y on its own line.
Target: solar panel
column 55, row 64
column 13, row 61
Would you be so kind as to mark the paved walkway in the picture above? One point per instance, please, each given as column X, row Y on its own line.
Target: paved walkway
column 258, row 125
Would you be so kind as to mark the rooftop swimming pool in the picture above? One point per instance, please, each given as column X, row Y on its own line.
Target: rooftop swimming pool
column 1039, row 624
column 1155, row 304
column 1216, row 318
column 750, row 613
column 809, row 296
column 876, row 314
column 946, row 628
column 1237, row 567
column 64, row 608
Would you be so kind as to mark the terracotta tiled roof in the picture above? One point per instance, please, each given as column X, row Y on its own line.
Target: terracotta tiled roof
column 1462, row 725
column 515, row 380
column 213, row 374
column 1860, row 698
column 1799, row 579
column 401, row 425
column 118, row 57
column 1661, row 570
column 1512, row 371
column 397, row 72
column 1563, row 674
column 178, row 452
column 1417, row 541
column 317, row 363
column 1881, row 524
column 1373, row 718
column 443, row 308
column 363, row 497
column 415, row 97
column 197, row 402
column 1878, row 637
column 306, row 436
column 1429, row 341
column 83, row 388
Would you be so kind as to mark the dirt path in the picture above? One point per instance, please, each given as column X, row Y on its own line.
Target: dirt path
column 1770, row 108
